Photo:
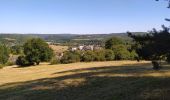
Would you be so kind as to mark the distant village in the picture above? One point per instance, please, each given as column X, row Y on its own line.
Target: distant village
column 59, row 50
column 86, row 47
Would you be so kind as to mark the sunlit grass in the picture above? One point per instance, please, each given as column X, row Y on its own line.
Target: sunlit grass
column 115, row 80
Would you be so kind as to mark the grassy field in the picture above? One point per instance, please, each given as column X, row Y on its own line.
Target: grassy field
column 115, row 80
column 58, row 49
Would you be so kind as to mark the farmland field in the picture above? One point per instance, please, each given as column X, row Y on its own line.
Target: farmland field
column 58, row 49
column 114, row 80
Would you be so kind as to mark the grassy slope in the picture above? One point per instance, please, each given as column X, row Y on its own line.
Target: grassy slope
column 122, row 80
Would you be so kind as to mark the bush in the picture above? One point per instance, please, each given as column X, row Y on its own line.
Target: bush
column 99, row 55
column 70, row 57
column 133, row 55
column 16, row 50
column 55, row 61
column 112, row 42
column 4, row 54
column 10, row 63
column 88, row 56
column 109, row 55
column 121, row 53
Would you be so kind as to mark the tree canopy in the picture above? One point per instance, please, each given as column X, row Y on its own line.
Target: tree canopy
column 153, row 45
column 35, row 51
column 4, row 54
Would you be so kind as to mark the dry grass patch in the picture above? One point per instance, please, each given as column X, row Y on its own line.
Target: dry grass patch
column 59, row 49
column 115, row 80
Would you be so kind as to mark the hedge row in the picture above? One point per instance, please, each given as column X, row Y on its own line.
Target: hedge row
column 89, row 56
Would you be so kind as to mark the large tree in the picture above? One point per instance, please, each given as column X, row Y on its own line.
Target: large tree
column 153, row 45
column 4, row 54
column 35, row 51
column 121, row 49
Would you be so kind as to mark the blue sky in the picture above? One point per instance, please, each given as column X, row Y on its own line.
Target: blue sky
column 81, row 16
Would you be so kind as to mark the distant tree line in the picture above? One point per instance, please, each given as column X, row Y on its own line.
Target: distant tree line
column 115, row 49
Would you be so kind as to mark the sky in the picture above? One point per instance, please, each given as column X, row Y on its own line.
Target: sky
column 81, row 16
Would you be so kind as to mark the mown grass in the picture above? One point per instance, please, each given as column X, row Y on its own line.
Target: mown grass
column 90, row 81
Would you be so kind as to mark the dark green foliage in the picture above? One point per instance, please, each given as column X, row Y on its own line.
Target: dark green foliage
column 154, row 45
column 70, row 57
column 88, row 56
column 120, row 48
column 111, row 43
column 36, row 51
column 22, row 61
column 121, row 53
column 16, row 50
column 4, row 54
column 109, row 55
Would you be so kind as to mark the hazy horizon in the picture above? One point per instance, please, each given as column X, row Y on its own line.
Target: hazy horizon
column 81, row 16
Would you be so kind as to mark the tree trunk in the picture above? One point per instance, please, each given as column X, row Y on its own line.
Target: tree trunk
column 37, row 63
column 156, row 65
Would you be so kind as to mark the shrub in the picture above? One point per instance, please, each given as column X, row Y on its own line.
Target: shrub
column 121, row 53
column 88, row 56
column 4, row 54
column 70, row 57
column 55, row 61
column 109, row 55
column 99, row 55
column 133, row 55
column 9, row 63
column 110, row 43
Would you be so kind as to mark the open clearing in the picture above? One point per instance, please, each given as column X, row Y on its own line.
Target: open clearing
column 59, row 49
column 114, row 80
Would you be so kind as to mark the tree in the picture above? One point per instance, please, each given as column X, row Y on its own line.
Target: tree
column 4, row 54
column 121, row 52
column 99, row 55
column 22, row 61
column 36, row 51
column 88, row 56
column 133, row 55
column 119, row 47
column 16, row 50
column 70, row 57
column 110, row 43
column 109, row 55
column 153, row 45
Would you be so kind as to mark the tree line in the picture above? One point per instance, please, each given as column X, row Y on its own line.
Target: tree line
column 153, row 46
column 115, row 49
column 36, row 50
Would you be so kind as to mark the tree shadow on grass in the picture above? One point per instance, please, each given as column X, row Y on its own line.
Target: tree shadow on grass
column 87, row 84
